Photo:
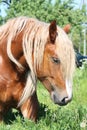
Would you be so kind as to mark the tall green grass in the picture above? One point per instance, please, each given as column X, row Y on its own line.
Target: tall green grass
column 53, row 117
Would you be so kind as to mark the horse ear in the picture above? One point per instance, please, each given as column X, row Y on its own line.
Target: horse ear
column 67, row 28
column 53, row 31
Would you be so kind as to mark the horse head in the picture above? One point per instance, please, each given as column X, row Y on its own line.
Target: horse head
column 58, row 65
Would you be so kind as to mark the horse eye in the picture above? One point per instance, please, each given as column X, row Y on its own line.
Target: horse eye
column 55, row 60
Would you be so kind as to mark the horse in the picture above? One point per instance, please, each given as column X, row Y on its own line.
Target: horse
column 32, row 50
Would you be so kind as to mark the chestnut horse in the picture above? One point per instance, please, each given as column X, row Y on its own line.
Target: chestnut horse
column 32, row 50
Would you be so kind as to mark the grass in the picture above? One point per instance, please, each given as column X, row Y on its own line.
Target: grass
column 53, row 117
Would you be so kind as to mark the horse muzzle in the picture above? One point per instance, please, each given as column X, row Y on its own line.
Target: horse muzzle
column 60, row 99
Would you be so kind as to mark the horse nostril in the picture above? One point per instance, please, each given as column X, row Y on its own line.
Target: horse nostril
column 63, row 101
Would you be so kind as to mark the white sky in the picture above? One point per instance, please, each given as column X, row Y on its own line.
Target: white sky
column 2, row 9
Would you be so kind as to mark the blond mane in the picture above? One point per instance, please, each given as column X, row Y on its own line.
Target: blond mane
column 34, row 40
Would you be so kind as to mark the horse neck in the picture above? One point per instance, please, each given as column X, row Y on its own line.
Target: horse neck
column 17, row 50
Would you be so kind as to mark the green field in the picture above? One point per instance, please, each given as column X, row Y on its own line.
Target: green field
column 53, row 117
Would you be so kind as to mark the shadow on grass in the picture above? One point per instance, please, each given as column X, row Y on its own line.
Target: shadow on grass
column 13, row 113
column 42, row 111
column 11, row 116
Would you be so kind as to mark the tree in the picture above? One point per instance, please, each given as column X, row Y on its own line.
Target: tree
column 1, row 20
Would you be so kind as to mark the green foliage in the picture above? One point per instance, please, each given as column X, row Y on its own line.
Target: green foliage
column 1, row 20
column 45, row 10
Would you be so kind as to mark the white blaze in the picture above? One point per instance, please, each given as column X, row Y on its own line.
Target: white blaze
column 69, row 88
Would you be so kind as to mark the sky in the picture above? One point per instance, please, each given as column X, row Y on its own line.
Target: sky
column 2, row 9
column 3, row 6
